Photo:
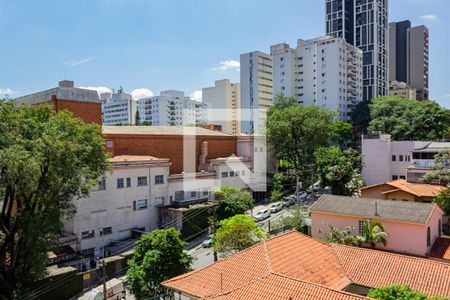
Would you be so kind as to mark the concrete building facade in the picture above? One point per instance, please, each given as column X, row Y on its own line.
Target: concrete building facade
column 225, row 95
column 256, row 89
column 408, row 56
column 120, row 109
column 326, row 72
column 402, row 89
column 364, row 24
column 82, row 103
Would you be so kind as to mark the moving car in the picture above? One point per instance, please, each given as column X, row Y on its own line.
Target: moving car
column 276, row 207
column 262, row 215
column 208, row 242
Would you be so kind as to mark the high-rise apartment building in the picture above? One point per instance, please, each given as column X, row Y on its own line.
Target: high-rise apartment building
column 120, row 109
column 172, row 108
column 256, row 89
column 408, row 56
column 364, row 24
column 224, row 96
column 326, row 72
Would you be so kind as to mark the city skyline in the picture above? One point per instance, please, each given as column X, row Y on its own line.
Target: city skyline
column 127, row 44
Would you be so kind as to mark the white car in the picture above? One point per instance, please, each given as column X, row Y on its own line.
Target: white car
column 276, row 207
column 262, row 215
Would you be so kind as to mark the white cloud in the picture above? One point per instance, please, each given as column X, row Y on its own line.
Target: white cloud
column 99, row 89
column 225, row 65
column 73, row 63
column 429, row 17
column 141, row 93
column 6, row 91
column 197, row 95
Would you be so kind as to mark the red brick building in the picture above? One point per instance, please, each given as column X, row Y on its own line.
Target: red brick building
column 168, row 141
column 84, row 104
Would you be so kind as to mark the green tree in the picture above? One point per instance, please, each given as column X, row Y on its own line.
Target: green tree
column 137, row 118
column 360, row 118
column 339, row 169
column 277, row 191
column 294, row 219
column 373, row 233
column 47, row 159
column 409, row 120
column 341, row 132
column 443, row 200
column 237, row 233
column 344, row 236
column 396, row 292
column 296, row 131
column 441, row 169
column 158, row 256
column 232, row 201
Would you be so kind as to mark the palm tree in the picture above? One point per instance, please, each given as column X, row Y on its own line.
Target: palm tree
column 373, row 233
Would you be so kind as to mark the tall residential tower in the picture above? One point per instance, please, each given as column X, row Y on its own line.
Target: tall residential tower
column 364, row 24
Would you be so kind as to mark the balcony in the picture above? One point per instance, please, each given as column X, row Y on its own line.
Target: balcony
column 423, row 164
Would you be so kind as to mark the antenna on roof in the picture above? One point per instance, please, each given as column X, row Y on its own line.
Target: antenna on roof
column 376, row 208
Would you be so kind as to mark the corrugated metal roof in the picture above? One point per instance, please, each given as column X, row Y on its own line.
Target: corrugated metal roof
column 413, row 212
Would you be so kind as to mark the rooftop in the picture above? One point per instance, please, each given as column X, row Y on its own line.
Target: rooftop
column 434, row 147
column 441, row 249
column 417, row 189
column 136, row 159
column 296, row 266
column 161, row 130
column 413, row 212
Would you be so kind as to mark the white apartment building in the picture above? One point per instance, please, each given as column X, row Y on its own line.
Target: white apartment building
column 385, row 160
column 171, row 108
column 120, row 109
column 326, row 72
column 256, row 89
column 225, row 95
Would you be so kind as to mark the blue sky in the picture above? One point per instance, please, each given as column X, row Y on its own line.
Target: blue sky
column 172, row 44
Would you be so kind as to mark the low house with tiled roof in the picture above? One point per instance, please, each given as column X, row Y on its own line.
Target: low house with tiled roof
column 297, row 267
column 412, row 227
column 402, row 190
column 441, row 249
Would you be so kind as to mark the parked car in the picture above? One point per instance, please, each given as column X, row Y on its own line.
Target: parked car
column 115, row 290
column 276, row 207
column 288, row 201
column 301, row 195
column 262, row 215
column 208, row 242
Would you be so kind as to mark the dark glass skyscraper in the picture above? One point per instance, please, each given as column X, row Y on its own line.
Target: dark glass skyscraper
column 364, row 24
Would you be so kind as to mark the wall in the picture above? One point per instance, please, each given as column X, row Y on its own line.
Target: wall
column 407, row 238
column 89, row 112
column 170, row 146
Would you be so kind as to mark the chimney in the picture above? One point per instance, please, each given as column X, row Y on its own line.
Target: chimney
column 203, row 156
column 66, row 84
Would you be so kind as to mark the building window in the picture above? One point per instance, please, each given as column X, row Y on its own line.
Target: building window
column 361, row 227
column 402, row 177
column 109, row 144
column 128, row 182
column 193, row 194
column 224, row 174
column 87, row 234
column 102, row 184
column 400, row 158
column 106, row 231
column 159, row 179
column 142, row 181
column 232, row 174
column 120, row 183
column 439, row 228
column 393, row 158
column 394, row 177
column 428, row 236
column 140, row 204
column 159, row 200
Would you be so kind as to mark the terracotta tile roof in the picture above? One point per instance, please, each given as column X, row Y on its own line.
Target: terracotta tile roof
column 135, row 158
column 374, row 268
column 413, row 212
column 276, row 287
column 298, row 266
column 441, row 249
column 417, row 189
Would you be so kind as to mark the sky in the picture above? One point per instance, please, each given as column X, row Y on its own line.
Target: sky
column 147, row 46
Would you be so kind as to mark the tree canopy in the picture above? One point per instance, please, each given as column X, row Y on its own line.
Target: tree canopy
column 158, row 256
column 396, row 292
column 46, row 160
column 339, row 169
column 408, row 119
column 237, row 233
column 232, row 201
column 441, row 169
column 443, row 200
